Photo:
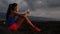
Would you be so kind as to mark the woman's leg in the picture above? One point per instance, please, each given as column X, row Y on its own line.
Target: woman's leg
column 33, row 27
column 29, row 22
column 19, row 21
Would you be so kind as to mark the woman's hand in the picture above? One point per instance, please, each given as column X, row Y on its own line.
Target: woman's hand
column 27, row 13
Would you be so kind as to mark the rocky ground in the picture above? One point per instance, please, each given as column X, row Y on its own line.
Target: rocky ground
column 47, row 27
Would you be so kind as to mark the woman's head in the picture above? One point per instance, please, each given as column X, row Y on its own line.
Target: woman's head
column 11, row 8
column 14, row 7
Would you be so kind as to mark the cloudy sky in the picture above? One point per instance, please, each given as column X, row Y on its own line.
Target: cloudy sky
column 43, row 8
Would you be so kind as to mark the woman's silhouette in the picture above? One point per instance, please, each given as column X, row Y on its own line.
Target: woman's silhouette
column 15, row 24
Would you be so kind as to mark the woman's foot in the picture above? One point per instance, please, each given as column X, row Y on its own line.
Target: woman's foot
column 35, row 29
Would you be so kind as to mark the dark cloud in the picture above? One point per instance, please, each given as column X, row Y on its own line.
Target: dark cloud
column 45, row 8
column 31, row 4
column 53, row 3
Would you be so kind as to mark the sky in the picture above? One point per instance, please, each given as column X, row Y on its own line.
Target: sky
column 39, row 8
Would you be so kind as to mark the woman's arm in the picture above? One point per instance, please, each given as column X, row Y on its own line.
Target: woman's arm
column 18, row 14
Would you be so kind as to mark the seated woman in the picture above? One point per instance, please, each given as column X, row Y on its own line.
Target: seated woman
column 13, row 24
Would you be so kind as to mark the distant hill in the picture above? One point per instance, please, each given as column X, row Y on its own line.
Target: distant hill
column 2, row 16
column 32, row 18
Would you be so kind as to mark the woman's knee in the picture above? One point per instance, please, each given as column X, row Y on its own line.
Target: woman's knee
column 22, row 17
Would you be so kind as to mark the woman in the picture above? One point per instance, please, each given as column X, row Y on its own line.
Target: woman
column 15, row 24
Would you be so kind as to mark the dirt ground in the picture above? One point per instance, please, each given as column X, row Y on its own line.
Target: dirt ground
column 47, row 27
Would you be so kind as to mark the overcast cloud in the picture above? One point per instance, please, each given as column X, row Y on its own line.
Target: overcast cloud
column 44, row 8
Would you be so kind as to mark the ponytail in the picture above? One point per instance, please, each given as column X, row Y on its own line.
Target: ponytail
column 10, row 9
